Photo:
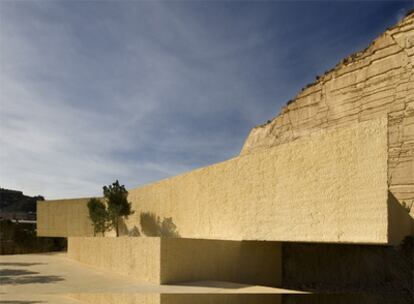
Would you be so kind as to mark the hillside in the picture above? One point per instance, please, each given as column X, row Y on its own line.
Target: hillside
column 12, row 201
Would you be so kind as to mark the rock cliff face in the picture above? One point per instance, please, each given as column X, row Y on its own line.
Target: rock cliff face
column 376, row 82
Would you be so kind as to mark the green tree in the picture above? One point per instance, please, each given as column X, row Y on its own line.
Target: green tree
column 118, row 206
column 98, row 214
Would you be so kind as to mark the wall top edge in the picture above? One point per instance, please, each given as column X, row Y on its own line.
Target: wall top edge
column 379, row 122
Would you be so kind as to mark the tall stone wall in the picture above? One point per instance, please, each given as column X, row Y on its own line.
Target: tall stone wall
column 322, row 188
column 62, row 218
column 327, row 187
column 375, row 82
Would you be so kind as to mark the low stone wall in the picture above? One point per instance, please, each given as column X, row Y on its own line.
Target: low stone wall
column 178, row 298
column 117, row 298
column 138, row 258
column 172, row 260
column 249, row 262
column 221, row 299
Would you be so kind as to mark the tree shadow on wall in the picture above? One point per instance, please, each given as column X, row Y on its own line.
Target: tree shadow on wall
column 151, row 225
column 124, row 231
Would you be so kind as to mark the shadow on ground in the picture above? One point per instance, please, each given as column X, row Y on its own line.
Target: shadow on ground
column 21, row 302
column 21, row 276
column 214, row 284
column 21, row 264
column 15, row 272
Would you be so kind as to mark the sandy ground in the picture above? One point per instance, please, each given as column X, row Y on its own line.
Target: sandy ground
column 49, row 278
column 37, row 299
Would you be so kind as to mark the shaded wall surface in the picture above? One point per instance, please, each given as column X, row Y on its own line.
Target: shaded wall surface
column 375, row 274
column 249, row 262
column 328, row 187
column 375, row 82
column 221, row 299
column 171, row 260
column 344, row 298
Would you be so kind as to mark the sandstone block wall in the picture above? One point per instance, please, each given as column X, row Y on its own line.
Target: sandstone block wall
column 61, row 218
column 138, row 258
column 178, row 298
column 249, row 262
column 370, row 84
column 172, row 260
column 330, row 186
column 117, row 298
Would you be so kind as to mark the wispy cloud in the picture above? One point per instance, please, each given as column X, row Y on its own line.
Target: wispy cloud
column 94, row 91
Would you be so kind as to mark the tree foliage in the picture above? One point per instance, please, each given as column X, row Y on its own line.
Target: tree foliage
column 98, row 214
column 116, row 197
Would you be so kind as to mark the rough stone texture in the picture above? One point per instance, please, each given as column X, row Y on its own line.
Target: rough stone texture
column 174, row 260
column 138, row 258
column 320, row 188
column 375, row 82
column 248, row 262
column 178, row 298
column 117, row 298
column 63, row 218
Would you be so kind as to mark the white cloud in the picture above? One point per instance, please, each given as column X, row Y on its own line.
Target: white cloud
column 55, row 145
column 94, row 91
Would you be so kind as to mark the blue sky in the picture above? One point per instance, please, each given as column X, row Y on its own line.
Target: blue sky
column 142, row 90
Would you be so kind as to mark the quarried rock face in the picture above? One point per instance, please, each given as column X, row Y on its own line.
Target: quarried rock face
column 376, row 82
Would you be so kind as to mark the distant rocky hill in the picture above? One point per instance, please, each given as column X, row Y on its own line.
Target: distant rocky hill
column 18, row 225
column 13, row 201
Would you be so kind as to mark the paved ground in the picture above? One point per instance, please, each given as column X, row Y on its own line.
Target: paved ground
column 48, row 278
column 37, row 299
